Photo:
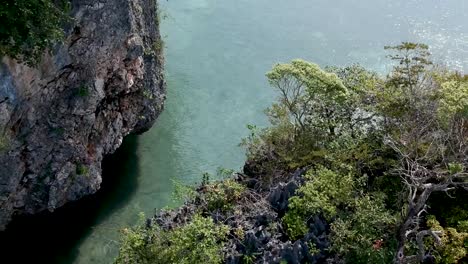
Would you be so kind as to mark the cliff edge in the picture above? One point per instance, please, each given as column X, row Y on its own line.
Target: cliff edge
column 59, row 119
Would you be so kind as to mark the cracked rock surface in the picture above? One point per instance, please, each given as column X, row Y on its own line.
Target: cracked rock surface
column 59, row 119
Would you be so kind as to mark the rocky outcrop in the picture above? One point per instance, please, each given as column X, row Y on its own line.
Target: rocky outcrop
column 258, row 214
column 59, row 119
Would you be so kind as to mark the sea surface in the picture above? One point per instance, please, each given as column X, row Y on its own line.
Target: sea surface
column 217, row 53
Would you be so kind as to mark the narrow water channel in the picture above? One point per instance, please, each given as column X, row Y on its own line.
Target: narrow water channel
column 217, row 53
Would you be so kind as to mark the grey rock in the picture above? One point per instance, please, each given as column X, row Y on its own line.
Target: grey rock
column 59, row 119
column 279, row 196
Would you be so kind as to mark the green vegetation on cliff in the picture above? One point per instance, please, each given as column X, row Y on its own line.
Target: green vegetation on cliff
column 30, row 26
column 198, row 241
column 355, row 168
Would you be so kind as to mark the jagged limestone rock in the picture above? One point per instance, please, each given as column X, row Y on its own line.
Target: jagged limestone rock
column 59, row 119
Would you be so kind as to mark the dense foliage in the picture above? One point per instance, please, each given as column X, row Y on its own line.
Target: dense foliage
column 199, row 241
column 360, row 219
column 197, row 238
column 30, row 26
column 453, row 244
column 406, row 134
column 385, row 161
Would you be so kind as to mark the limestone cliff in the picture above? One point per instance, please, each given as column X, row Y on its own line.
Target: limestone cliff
column 59, row 119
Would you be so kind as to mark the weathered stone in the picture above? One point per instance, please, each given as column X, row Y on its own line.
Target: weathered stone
column 59, row 119
column 279, row 196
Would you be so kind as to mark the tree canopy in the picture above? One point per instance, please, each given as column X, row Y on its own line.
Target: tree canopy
column 405, row 133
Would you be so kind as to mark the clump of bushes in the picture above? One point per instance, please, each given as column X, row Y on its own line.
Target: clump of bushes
column 323, row 193
column 453, row 244
column 81, row 169
column 4, row 141
column 29, row 27
column 199, row 241
column 357, row 220
column 222, row 195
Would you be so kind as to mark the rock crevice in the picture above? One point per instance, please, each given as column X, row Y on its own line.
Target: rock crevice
column 59, row 119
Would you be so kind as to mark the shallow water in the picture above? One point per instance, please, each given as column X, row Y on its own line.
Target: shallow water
column 217, row 54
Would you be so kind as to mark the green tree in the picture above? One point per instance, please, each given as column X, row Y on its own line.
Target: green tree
column 412, row 61
column 428, row 134
column 306, row 92
column 315, row 107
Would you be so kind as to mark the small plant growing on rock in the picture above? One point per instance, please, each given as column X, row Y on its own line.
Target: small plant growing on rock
column 4, row 142
column 205, row 179
column 147, row 94
column 248, row 259
column 239, row 232
column 158, row 46
column 182, row 192
column 81, row 169
column 82, row 91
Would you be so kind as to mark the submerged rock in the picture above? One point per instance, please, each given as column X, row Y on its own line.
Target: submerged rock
column 59, row 119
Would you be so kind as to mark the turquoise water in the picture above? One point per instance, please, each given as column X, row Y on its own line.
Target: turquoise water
column 217, row 54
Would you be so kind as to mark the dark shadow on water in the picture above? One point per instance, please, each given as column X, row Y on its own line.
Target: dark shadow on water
column 54, row 237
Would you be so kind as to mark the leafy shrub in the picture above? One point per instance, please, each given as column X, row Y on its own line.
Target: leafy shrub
column 4, row 141
column 323, row 192
column 199, row 241
column 454, row 243
column 182, row 192
column 358, row 220
column 364, row 234
column 81, row 169
column 82, row 91
column 222, row 195
column 30, row 26
column 452, row 96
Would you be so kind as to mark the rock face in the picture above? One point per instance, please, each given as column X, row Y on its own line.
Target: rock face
column 59, row 119
column 259, row 215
